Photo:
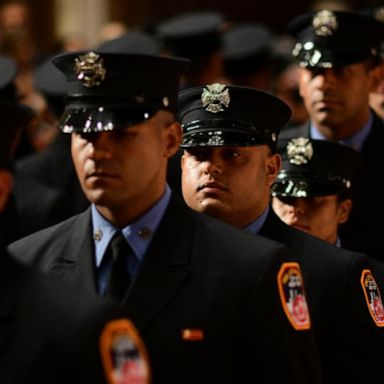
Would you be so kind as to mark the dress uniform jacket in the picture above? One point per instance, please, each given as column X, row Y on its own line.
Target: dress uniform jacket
column 364, row 230
column 205, row 300
column 350, row 343
column 49, row 333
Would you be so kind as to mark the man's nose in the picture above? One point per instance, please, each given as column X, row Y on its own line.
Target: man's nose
column 213, row 165
column 99, row 145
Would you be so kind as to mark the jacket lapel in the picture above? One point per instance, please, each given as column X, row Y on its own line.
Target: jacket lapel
column 165, row 267
column 75, row 261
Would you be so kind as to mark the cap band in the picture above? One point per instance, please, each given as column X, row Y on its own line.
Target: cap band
column 228, row 125
column 224, row 133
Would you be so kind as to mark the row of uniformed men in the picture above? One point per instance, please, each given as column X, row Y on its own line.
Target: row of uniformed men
column 212, row 304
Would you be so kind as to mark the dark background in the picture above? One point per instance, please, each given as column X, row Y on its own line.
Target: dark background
column 276, row 14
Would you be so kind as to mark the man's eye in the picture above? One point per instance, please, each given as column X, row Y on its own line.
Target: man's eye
column 201, row 156
column 288, row 200
column 198, row 155
column 231, row 154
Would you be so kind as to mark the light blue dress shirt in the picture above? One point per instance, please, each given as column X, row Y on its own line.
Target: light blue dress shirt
column 138, row 235
column 355, row 141
column 255, row 226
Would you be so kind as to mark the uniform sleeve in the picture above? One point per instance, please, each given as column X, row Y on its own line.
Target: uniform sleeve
column 282, row 345
column 354, row 330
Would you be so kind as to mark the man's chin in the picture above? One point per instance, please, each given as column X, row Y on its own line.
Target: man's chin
column 214, row 208
column 326, row 117
column 98, row 197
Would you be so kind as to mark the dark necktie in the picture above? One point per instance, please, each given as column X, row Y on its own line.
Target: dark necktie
column 118, row 279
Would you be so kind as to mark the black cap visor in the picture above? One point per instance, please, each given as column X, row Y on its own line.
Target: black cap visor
column 98, row 118
column 333, row 56
column 300, row 187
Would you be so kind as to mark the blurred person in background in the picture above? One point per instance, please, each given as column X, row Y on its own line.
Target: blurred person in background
column 376, row 97
column 111, row 30
column 17, row 41
column 286, row 79
column 43, row 166
column 30, row 205
column 247, row 54
column 197, row 37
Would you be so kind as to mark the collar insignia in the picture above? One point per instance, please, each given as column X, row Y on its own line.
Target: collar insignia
column 215, row 97
column 299, row 150
column 98, row 235
column 324, row 23
column 90, row 70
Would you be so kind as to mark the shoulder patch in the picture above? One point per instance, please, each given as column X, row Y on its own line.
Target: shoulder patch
column 372, row 297
column 292, row 295
column 123, row 354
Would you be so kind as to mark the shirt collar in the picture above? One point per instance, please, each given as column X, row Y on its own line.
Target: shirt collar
column 255, row 226
column 138, row 234
column 355, row 141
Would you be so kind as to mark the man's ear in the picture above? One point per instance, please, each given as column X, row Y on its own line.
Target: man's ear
column 6, row 186
column 174, row 136
column 273, row 165
column 344, row 209
column 377, row 76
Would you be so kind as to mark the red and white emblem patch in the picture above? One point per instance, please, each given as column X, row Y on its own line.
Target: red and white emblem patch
column 373, row 297
column 123, row 354
column 292, row 295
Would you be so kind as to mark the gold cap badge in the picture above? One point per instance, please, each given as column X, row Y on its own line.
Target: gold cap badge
column 215, row 97
column 299, row 150
column 89, row 69
column 324, row 23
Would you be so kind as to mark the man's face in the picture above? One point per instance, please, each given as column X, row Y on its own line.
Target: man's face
column 229, row 183
column 124, row 170
column 319, row 216
column 337, row 97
